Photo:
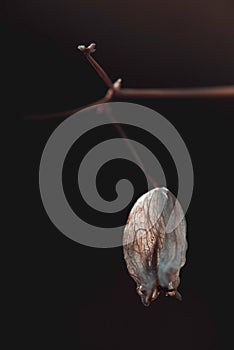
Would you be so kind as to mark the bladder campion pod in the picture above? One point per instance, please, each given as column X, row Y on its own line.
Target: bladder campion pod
column 154, row 244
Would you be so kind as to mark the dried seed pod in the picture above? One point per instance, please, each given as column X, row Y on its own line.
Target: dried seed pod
column 154, row 244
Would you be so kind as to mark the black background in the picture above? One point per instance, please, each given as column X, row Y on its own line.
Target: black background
column 77, row 297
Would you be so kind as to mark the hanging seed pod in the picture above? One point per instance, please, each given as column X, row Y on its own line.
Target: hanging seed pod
column 154, row 244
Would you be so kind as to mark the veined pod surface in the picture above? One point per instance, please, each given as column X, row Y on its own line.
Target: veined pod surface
column 154, row 244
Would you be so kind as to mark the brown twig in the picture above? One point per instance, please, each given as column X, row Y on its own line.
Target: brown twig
column 87, row 52
column 65, row 114
column 115, row 90
column 132, row 150
column 197, row 92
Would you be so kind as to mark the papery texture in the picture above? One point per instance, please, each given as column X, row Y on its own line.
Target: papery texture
column 154, row 244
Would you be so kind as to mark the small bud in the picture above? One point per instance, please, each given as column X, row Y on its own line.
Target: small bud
column 82, row 48
column 91, row 48
column 87, row 50
column 117, row 84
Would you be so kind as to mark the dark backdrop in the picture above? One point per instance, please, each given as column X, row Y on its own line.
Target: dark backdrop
column 76, row 297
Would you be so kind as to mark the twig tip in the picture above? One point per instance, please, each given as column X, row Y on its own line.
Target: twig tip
column 117, row 84
column 87, row 50
column 82, row 48
column 92, row 47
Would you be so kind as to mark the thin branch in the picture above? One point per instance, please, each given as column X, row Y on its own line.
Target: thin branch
column 115, row 90
column 195, row 92
column 198, row 92
column 64, row 114
column 87, row 52
column 132, row 150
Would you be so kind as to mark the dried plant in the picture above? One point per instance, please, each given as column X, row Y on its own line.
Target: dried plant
column 116, row 91
column 154, row 244
column 154, row 240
